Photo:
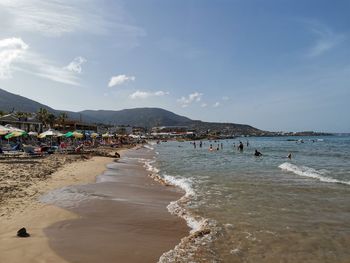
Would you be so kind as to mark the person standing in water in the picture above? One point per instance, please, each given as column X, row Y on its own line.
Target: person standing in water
column 289, row 156
column 240, row 146
column 200, row 144
column 222, row 146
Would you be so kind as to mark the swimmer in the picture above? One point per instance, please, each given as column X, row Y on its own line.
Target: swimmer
column 257, row 153
column 240, row 146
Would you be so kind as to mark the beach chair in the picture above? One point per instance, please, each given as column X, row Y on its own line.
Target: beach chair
column 32, row 151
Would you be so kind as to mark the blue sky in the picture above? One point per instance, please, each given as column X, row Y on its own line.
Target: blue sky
column 276, row 65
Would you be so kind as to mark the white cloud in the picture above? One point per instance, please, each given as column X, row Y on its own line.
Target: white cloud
column 11, row 51
column 216, row 104
column 203, row 105
column 15, row 55
column 224, row 98
column 326, row 39
column 120, row 79
column 57, row 17
column 75, row 65
column 146, row 94
column 193, row 97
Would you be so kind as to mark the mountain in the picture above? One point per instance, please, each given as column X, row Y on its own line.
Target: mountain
column 141, row 117
column 10, row 101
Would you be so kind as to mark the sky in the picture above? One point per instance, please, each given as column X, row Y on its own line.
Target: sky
column 279, row 65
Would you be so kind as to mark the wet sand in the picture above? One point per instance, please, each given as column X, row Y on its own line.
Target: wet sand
column 128, row 223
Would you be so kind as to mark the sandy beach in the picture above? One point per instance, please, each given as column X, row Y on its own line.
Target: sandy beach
column 138, row 230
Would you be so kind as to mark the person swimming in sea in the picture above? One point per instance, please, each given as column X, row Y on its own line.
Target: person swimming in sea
column 240, row 146
column 257, row 153
column 210, row 148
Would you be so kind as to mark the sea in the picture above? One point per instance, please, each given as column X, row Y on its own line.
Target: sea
column 243, row 208
column 240, row 207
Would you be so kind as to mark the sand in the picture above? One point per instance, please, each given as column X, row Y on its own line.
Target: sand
column 139, row 230
column 35, row 216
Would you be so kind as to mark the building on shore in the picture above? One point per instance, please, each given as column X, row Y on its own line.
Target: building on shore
column 173, row 132
column 24, row 123
column 74, row 125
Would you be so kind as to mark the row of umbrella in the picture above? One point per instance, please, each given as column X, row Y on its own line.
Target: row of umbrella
column 11, row 132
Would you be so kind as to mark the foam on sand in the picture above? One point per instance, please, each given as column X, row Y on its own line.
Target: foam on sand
column 310, row 172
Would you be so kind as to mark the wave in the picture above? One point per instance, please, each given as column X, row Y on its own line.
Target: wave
column 310, row 172
column 203, row 231
column 148, row 147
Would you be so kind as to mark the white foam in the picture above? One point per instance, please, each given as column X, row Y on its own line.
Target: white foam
column 310, row 172
column 183, row 183
column 199, row 226
column 150, row 168
column 148, row 147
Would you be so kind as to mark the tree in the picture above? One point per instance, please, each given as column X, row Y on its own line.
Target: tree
column 43, row 116
column 23, row 115
column 62, row 117
column 51, row 118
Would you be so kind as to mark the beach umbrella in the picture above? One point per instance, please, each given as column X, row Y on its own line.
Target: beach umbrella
column 68, row 134
column 33, row 133
column 15, row 134
column 4, row 130
column 106, row 135
column 94, row 135
column 13, row 129
column 50, row 132
column 78, row 135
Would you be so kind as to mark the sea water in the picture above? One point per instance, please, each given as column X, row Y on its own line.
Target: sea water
column 243, row 208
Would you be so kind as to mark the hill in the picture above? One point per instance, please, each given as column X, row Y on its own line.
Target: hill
column 141, row 117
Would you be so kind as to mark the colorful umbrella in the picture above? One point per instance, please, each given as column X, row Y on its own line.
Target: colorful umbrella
column 50, row 132
column 15, row 134
column 78, row 135
column 68, row 134
column 94, row 135
column 4, row 130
